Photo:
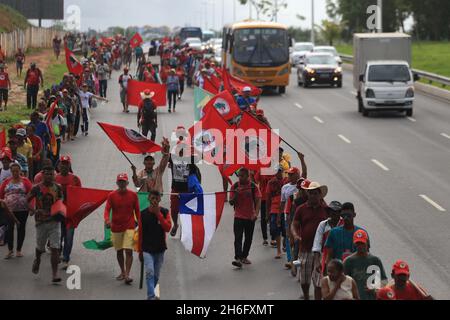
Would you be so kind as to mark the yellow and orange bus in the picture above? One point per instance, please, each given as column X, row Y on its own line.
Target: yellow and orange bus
column 258, row 52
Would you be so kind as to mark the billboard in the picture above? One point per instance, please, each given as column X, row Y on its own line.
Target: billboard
column 38, row 9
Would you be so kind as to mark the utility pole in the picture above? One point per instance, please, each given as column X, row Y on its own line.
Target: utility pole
column 214, row 14
column 250, row 3
column 234, row 11
column 380, row 16
column 312, row 22
column 276, row 11
column 223, row 14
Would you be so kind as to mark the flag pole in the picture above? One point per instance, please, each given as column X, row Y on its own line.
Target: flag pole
column 126, row 157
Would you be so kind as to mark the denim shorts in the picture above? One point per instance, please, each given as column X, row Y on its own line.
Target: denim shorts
column 276, row 230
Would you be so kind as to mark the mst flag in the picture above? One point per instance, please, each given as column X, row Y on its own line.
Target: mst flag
column 255, row 142
column 135, row 88
column 81, row 202
column 73, row 65
column 201, row 98
column 107, row 41
column 208, row 136
column 129, row 140
column 200, row 216
column 136, row 40
column 212, row 84
column 226, row 105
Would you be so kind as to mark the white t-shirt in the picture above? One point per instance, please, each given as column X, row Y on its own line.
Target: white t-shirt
column 125, row 79
column 4, row 174
column 288, row 190
column 84, row 97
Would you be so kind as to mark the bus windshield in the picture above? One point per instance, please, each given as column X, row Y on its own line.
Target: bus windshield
column 263, row 47
column 191, row 33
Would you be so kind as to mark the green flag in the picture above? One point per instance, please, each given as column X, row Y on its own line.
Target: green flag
column 201, row 98
column 100, row 245
column 143, row 201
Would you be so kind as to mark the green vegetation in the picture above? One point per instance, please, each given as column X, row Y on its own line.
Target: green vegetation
column 11, row 20
column 54, row 73
column 427, row 56
column 14, row 115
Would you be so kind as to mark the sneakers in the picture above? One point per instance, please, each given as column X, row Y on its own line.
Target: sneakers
column 237, row 264
column 265, row 243
column 246, row 261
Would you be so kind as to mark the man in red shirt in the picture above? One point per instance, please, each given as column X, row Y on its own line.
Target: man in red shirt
column 246, row 199
column 273, row 196
column 403, row 287
column 124, row 205
column 5, row 86
column 33, row 79
column 65, row 178
column 36, row 142
column 262, row 181
column 304, row 226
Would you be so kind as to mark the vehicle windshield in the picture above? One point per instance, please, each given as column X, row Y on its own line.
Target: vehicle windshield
column 261, row 47
column 191, row 33
column 389, row 73
column 327, row 50
column 321, row 60
column 303, row 47
column 193, row 41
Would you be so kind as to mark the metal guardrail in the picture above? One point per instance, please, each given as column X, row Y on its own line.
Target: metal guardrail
column 431, row 77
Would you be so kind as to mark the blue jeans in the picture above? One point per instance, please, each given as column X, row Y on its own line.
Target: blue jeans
column 153, row 263
column 291, row 253
column 67, row 238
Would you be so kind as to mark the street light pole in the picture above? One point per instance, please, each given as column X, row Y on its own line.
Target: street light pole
column 380, row 16
column 312, row 22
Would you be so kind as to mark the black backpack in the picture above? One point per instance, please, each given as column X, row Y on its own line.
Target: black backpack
column 148, row 110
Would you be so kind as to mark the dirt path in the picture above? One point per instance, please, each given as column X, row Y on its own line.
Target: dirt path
column 43, row 59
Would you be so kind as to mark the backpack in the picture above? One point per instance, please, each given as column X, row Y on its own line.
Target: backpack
column 148, row 110
column 253, row 187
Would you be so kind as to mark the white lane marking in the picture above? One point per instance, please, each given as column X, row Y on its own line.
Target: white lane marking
column 298, row 105
column 157, row 291
column 378, row 163
column 344, row 138
column 318, row 120
column 434, row 204
column 411, row 119
column 445, row 135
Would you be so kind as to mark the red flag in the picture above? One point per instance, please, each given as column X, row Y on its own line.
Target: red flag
column 212, row 84
column 58, row 208
column 48, row 121
column 257, row 143
column 129, row 140
column 226, row 80
column 2, row 137
column 226, row 105
column 227, row 170
column 239, row 84
column 136, row 40
column 73, row 65
column 208, row 136
column 81, row 202
column 107, row 41
column 135, row 88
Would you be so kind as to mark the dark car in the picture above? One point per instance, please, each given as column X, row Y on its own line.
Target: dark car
column 319, row 68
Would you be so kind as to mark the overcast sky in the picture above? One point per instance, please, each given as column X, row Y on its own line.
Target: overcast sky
column 100, row 14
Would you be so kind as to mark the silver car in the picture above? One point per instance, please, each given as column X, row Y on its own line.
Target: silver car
column 329, row 49
column 299, row 51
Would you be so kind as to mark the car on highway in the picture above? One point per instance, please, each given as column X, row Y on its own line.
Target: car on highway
column 319, row 68
column 299, row 50
column 329, row 49
column 194, row 43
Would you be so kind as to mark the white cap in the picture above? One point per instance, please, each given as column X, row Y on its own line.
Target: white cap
column 247, row 89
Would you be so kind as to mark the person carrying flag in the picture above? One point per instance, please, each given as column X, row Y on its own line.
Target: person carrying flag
column 150, row 178
column 154, row 223
column 245, row 101
column 65, row 178
column 48, row 226
column 147, row 116
column 123, row 205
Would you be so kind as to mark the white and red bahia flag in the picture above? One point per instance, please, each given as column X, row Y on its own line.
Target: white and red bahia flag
column 200, row 216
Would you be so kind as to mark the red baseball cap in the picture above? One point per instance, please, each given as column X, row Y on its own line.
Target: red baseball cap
column 122, row 177
column 6, row 153
column 360, row 236
column 293, row 170
column 400, row 267
column 386, row 293
column 65, row 159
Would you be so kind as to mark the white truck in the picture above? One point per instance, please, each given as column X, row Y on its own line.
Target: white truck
column 382, row 72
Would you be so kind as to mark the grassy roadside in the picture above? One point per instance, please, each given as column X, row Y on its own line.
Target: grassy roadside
column 52, row 75
column 426, row 56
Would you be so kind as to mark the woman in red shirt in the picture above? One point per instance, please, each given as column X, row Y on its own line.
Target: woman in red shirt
column 14, row 192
